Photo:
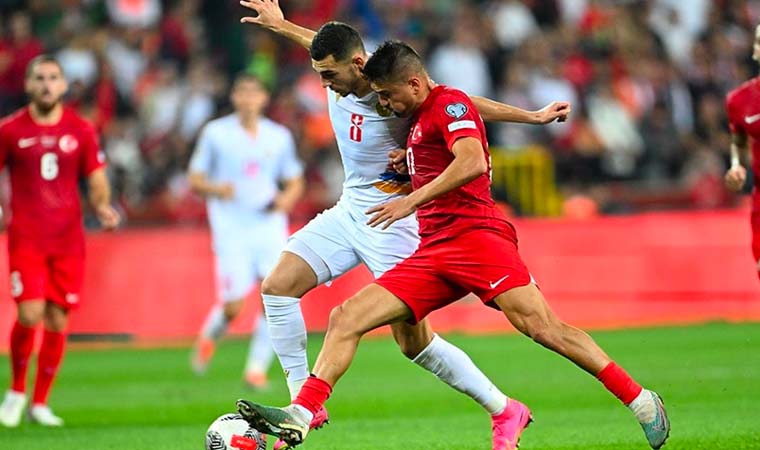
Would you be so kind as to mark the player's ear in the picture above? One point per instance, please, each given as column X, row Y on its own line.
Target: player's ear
column 358, row 61
column 415, row 83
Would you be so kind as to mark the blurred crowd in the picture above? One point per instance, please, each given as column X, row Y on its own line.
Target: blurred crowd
column 646, row 79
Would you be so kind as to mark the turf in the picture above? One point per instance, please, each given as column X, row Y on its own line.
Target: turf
column 708, row 375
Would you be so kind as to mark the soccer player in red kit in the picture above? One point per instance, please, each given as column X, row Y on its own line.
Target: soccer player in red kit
column 743, row 110
column 467, row 245
column 47, row 149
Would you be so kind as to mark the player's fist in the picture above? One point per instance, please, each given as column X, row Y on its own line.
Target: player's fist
column 735, row 178
column 553, row 111
column 109, row 218
column 397, row 160
column 269, row 14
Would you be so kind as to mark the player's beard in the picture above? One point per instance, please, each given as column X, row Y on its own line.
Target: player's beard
column 45, row 107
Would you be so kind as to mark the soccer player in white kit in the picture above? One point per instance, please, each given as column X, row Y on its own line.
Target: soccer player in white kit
column 339, row 239
column 239, row 163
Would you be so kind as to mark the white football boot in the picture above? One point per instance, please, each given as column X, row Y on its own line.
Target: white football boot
column 12, row 408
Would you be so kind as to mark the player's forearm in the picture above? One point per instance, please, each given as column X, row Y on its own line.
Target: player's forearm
column 296, row 33
column 294, row 189
column 461, row 171
column 739, row 149
column 493, row 111
column 202, row 186
column 99, row 189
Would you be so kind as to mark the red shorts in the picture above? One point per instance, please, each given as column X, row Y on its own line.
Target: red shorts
column 755, row 220
column 484, row 262
column 37, row 275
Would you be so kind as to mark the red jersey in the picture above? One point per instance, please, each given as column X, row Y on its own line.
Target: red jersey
column 445, row 116
column 45, row 164
column 743, row 110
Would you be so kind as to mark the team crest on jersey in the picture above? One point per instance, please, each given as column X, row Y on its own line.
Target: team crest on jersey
column 416, row 133
column 68, row 143
column 384, row 111
column 456, row 110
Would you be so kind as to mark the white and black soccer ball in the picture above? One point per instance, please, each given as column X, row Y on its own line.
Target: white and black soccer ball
column 232, row 432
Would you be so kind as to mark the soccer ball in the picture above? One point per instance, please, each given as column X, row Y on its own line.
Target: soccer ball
column 232, row 432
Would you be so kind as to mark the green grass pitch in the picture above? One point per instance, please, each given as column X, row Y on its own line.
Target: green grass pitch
column 131, row 399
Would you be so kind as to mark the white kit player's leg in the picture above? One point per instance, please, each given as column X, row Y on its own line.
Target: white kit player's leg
column 287, row 331
column 260, row 355
column 452, row 366
column 315, row 254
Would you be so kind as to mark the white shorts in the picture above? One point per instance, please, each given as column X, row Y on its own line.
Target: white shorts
column 338, row 239
column 245, row 258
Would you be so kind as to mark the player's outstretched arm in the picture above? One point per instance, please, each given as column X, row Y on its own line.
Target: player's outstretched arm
column 493, row 111
column 270, row 16
column 100, row 199
column 468, row 164
column 736, row 175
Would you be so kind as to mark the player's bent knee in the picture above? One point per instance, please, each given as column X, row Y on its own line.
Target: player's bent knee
column 284, row 285
column 341, row 322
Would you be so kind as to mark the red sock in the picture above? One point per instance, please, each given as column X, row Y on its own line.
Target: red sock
column 48, row 362
column 617, row 381
column 313, row 394
column 22, row 341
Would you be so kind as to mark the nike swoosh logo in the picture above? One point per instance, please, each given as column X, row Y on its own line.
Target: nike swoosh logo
column 752, row 119
column 27, row 142
column 496, row 283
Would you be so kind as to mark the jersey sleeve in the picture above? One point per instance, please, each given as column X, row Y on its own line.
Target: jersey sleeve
column 93, row 157
column 290, row 167
column 203, row 156
column 733, row 113
column 456, row 117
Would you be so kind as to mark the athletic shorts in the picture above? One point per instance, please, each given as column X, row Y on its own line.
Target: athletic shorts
column 484, row 262
column 339, row 239
column 246, row 256
column 35, row 274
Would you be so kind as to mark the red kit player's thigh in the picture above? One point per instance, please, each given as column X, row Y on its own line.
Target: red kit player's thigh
column 28, row 274
column 65, row 280
column 416, row 282
column 486, row 263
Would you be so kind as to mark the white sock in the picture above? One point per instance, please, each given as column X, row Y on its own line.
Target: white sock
column 216, row 323
column 643, row 407
column 452, row 366
column 260, row 352
column 288, row 333
column 306, row 414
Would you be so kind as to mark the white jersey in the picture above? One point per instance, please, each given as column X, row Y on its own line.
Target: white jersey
column 227, row 153
column 366, row 132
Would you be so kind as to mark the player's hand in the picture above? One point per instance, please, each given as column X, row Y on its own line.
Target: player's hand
column 269, row 15
column 553, row 111
column 735, row 178
column 283, row 204
column 108, row 217
column 225, row 191
column 397, row 160
column 387, row 213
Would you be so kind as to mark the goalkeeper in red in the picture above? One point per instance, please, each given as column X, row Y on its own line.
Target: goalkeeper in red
column 47, row 148
column 467, row 245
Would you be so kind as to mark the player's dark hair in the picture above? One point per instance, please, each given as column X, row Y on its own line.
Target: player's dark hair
column 393, row 61
column 337, row 39
column 243, row 77
column 40, row 59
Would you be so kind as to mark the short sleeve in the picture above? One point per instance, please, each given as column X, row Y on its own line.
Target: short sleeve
column 456, row 117
column 202, row 159
column 290, row 166
column 734, row 114
column 92, row 156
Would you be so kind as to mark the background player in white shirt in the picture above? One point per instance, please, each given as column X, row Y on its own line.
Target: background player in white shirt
column 239, row 164
column 339, row 238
